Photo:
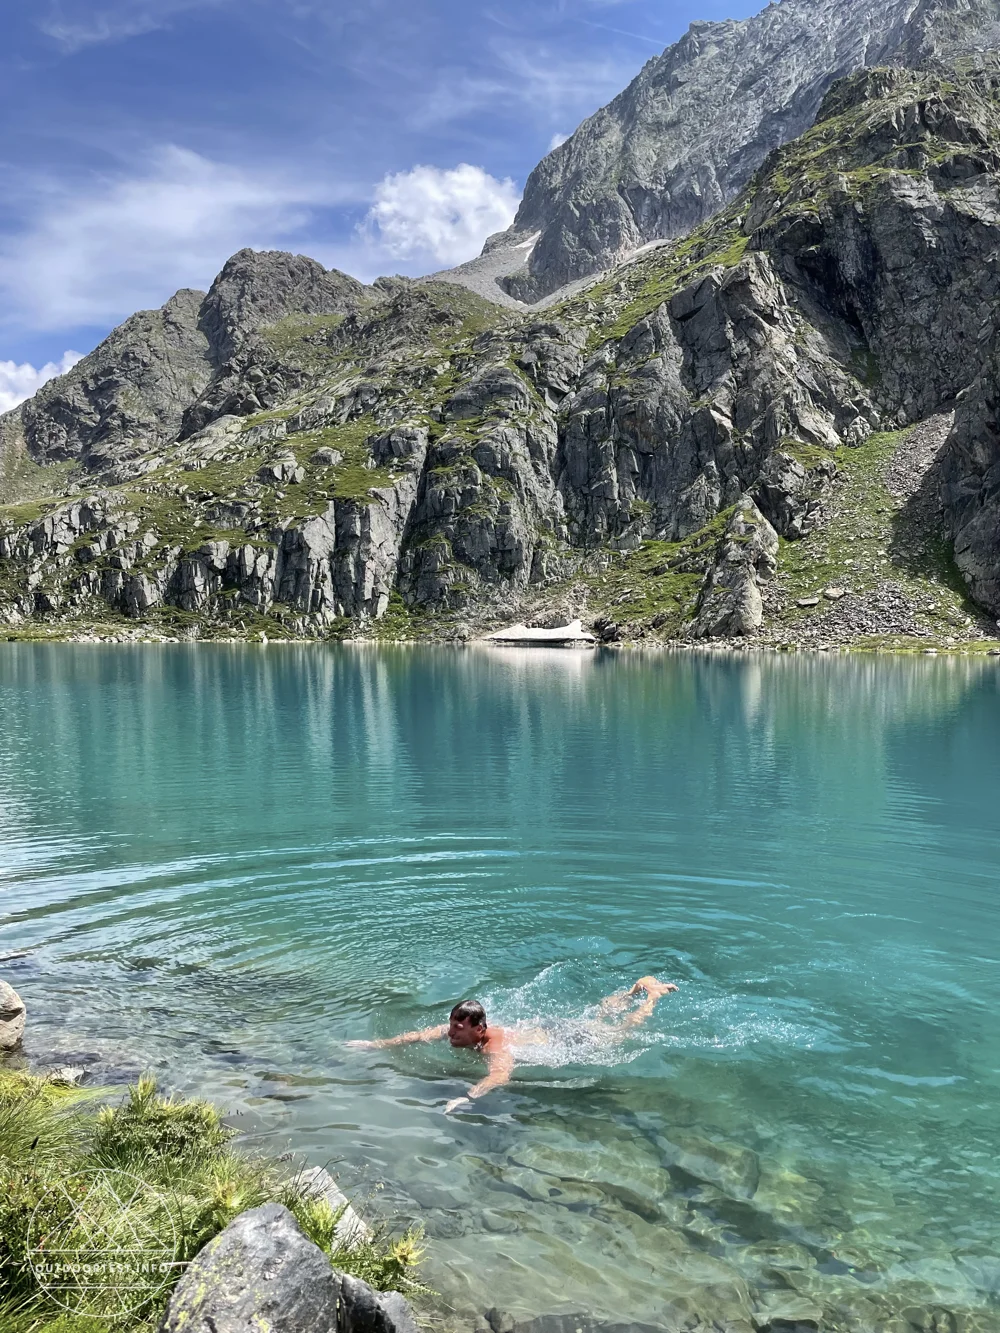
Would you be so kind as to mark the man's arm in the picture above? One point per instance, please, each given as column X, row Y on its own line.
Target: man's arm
column 655, row 990
column 501, row 1067
column 404, row 1039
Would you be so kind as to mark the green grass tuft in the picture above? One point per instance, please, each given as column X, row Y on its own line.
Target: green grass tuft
column 180, row 1151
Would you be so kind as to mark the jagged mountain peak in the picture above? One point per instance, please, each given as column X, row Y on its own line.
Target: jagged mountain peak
column 687, row 134
column 132, row 392
column 258, row 287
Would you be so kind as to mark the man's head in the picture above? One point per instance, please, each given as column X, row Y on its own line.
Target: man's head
column 467, row 1024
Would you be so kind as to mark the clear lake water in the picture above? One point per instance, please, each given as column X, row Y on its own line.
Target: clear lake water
column 223, row 862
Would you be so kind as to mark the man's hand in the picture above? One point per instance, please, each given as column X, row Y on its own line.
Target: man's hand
column 366, row 1044
column 455, row 1103
column 653, row 987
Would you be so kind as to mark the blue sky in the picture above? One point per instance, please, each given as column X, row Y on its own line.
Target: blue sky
column 146, row 140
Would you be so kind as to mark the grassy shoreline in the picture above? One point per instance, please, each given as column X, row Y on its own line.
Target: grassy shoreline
column 63, row 1155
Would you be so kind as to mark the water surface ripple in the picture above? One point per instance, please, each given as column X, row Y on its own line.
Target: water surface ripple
column 225, row 861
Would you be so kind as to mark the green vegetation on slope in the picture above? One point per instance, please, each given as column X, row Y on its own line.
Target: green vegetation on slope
column 652, row 592
column 25, row 483
column 633, row 293
column 351, row 479
column 868, row 540
column 184, row 1153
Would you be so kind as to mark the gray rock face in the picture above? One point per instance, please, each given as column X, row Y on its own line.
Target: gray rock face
column 686, row 136
column 341, row 562
column 12, row 1016
column 125, row 398
column 130, row 395
column 257, row 288
column 722, row 372
column 263, row 1273
column 971, row 481
column 789, row 493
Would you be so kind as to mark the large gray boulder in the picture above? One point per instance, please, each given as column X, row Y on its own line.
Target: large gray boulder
column 11, row 1018
column 688, row 133
column 262, row 1273
column 731, row 605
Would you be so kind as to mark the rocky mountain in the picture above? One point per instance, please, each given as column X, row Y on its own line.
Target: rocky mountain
column 129, row 395
column 783, row 426
column 688, row 133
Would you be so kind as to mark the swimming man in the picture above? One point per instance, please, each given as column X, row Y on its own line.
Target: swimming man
column 467, row 1029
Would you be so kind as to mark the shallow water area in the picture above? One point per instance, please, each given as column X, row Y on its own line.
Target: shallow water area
column 225, row 862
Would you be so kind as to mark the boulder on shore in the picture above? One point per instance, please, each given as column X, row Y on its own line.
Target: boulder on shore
column 11, row 1018
column 262, row 1272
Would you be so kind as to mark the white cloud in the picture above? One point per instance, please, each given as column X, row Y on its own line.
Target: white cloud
column 557, row 141
column 88, row 255
column 443, row 215
column 20, row 382
column 91, row 256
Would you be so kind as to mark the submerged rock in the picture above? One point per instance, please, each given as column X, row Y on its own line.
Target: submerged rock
column 499, row 1321
column 12, row 1015
column 631, row 1175
column 733, row 1169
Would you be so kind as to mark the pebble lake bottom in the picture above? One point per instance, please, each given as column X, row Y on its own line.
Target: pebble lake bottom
column 226, row 861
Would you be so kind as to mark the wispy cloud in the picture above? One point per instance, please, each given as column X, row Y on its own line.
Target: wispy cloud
column 75, row 25
column 561, row 85
column 90, row 255
column 556, row 88
column 19, row 382
column 444, row 216
column 656, row 42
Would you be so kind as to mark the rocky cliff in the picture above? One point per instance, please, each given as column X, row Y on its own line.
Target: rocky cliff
column 686, row 136
column 782, row 426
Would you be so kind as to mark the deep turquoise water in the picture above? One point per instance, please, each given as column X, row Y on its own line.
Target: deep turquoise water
column 226, row 861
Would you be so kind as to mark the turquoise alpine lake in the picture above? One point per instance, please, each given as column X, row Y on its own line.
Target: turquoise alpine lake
column 224, row 862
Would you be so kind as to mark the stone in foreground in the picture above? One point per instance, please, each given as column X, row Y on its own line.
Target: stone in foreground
column 262, row 1273
column 11, row 1018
